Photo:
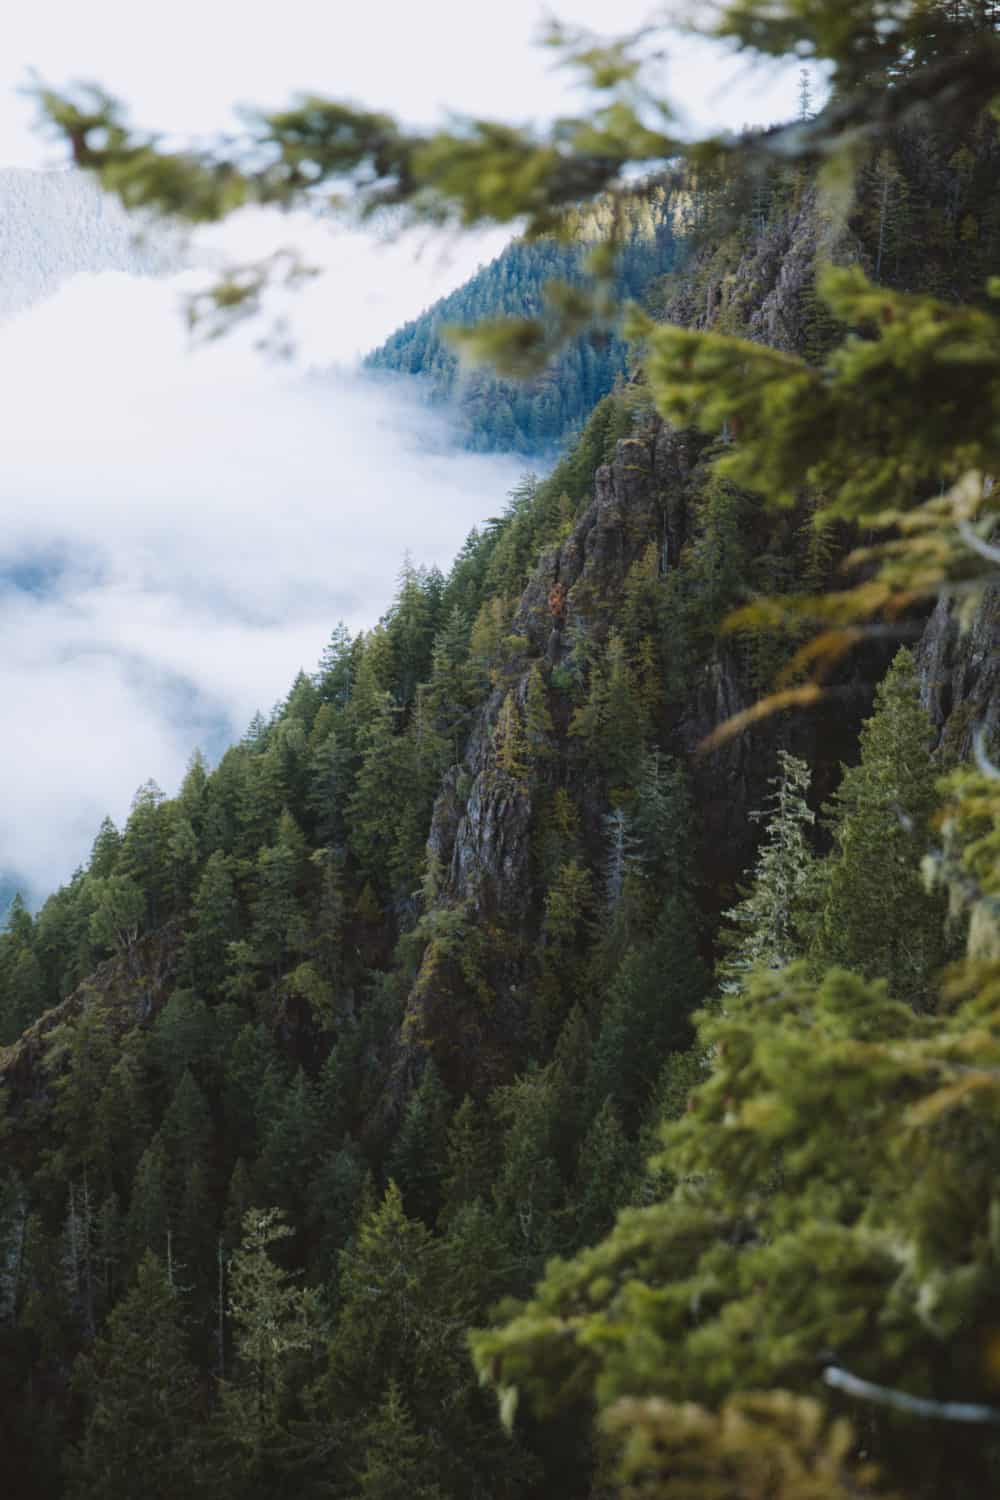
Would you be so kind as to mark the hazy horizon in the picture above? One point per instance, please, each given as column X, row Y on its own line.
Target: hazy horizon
column 184, row 528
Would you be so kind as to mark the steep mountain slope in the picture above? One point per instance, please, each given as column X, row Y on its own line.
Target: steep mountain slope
column 415, row 964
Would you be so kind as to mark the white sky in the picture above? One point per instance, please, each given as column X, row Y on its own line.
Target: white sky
column 203, row 520
column 201, row 524
column 184, row 64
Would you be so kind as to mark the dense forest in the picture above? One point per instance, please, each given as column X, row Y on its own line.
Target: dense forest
column 535, row 416
column 491, row 1079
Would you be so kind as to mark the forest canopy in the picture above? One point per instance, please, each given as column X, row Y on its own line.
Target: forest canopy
column 480, row 987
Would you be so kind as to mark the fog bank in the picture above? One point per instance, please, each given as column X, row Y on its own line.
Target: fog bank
column 182, row 530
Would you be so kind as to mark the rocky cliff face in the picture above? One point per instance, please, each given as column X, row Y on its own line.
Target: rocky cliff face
column 765, row 289
column 960, row 672
column 469, row 1003
column 130, row 988
column 650, row 493
column 55, row 225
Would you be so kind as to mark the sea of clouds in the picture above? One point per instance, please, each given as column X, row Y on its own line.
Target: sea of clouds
column 182, row 528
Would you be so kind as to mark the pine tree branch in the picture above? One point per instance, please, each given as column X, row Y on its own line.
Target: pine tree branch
column 983, row 761
column 970, row 536
column 916, row 1406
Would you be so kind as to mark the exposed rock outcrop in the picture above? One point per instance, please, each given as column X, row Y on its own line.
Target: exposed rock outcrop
column 765, row 289
column 130, row 988
column 470, row 1013
column 960, row 673
column 651, row 492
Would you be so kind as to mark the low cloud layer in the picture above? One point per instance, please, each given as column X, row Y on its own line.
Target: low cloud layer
column 182, row 531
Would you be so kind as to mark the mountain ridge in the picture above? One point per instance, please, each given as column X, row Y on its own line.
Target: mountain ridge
column 538, row 416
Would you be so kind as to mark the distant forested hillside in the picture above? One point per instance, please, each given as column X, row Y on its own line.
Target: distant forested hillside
column 496, row 415
column 318, row 1060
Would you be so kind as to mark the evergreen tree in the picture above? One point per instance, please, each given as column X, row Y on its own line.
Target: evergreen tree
column 538, row 729
column 214, row 924
column 334, row 1199
column 796, row 1154
column 647, row 1013
column 528, row 1189
column 104, row 853
column 623, row 731
column 393, row 1310
column 45, row 1312
column 261, row 795
column 141, row 1398
column 278, row 929
column 400, row 1463
column 605, row 1171
column 373, row 807
column 78, row 1058
column 611, row 724
column 338, row 1084
column 418, row 1153
column 327, row 947
column 251, row 1089
column 590, row 719
column 374, row 677
column 148, row 1222
column 568, row 905
column 889, row 212
column 764, row 922
column 410, row 625
column 336, row 668
column 193, row 795
column 120, row 912
column 330, row 780
column 238, row 1202
column 181, row 856
column 662, row 824
column 124, row 1120
column 186, row 1135
column 221, row 804
column 421, row 758
column 143, row 859
column 272, row 1320
column 285, row 1173
column 621, row 859
column 196, row 1220
column 509, row 746
column 877, row 916
column 181, row 1037
column 108, row 1252
column 23, row 991
column 452, row 688
column 468, row 1164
